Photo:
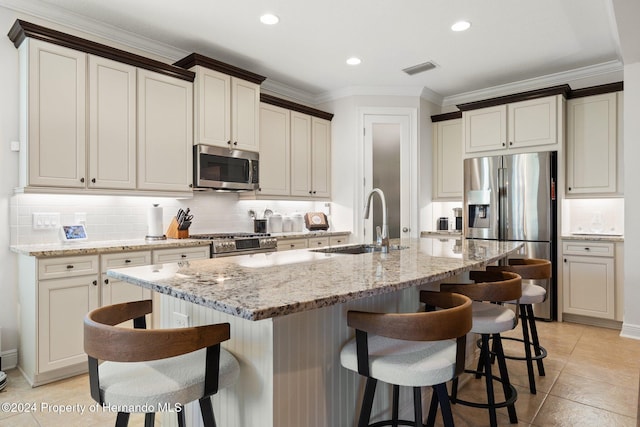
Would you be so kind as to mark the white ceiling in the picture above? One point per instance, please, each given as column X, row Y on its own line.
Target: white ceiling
column 509, row 41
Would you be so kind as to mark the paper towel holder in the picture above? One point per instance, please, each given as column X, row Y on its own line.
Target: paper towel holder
column 150, row 237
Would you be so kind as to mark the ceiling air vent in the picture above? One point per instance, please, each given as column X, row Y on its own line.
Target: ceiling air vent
column 420, row 68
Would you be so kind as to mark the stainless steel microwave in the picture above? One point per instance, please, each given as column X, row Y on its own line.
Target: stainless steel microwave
column 223, row 169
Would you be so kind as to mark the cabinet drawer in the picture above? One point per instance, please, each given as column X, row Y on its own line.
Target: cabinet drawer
column 588, row 248
column 338, row 240
column 54, row 268
column 161, row 256
column 318, row 242
column 285, row 245
column 127, row 259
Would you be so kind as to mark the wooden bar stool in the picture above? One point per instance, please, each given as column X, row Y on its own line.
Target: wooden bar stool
column 155, row 370
column 533, row 269
column 410, row 349
column 489, row 320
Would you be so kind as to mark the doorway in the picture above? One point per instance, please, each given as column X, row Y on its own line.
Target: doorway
column 390, row 153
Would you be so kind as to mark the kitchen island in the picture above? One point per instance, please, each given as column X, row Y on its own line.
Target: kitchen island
column 288, row 319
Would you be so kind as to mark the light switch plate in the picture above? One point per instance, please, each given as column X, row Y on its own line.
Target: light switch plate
column 46, row 220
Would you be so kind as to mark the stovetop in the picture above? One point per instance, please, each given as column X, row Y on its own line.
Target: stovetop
column 228, row 236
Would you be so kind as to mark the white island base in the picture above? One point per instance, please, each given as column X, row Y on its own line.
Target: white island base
column 290, row 372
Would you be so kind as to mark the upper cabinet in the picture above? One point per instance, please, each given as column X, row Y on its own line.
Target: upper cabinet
column 295, row 150
column 592, row 146
column 165, row 132
column 227, row 104
column 447, row 160
column 92, row 124
column 531, row 125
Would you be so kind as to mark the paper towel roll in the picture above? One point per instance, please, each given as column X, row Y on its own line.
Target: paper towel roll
column 154, row 222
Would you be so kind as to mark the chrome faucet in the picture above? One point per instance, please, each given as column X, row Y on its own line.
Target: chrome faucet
column 382, row 235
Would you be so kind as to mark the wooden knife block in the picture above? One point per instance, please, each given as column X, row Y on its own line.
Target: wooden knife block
column 174, row 233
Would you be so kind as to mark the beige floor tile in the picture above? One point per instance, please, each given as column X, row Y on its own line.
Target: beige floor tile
column 19, row 420
column 612, row 373
column 598, row 394
column 558, row 412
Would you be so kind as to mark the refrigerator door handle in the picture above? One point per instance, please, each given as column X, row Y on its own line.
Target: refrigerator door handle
column 502, row 205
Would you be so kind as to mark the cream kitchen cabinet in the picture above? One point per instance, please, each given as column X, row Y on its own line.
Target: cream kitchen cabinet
column 116, row 291
column 186, row 253
column 54, row 295
column 275, row 150
column 53, row 128
column 318, row 242
column 310, row 156
column 227, row 110
column 112, row 124
column 165, row 132
column 447, row 159
column 290, row 244
column 531, row 124
column 589, row 279
column 592, row 146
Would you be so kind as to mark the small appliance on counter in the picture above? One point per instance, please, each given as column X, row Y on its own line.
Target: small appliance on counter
column 316, row 221
column 179, row 227
column 73, row 233
column 443, row 223
column 457, row 213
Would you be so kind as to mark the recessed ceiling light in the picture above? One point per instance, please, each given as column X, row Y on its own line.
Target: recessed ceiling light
column 269, row 19
column 354, row 61
column 461, row 26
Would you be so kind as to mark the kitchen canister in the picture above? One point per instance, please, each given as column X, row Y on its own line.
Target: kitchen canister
column 298, row 222
column 287, row 224
column 275, row 223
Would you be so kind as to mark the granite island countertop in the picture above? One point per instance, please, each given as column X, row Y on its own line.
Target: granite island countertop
column 267, row 285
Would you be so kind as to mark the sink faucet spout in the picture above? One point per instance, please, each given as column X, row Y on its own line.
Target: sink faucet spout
column 382, row 238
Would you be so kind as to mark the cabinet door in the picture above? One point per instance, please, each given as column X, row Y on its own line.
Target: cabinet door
column 485, row 129
column 181, row 254
column 245, row 113
column 447, row 156
column 62, row 305
column 290, row 244
column 318, row 242
column 592, row 144
column 533, row 122
column 300, row 154
column 320, row 157
column 588, row 286
column 56, row 115
column 212, row 122
column 275, row 163
column 112, row 124
column 165, row 132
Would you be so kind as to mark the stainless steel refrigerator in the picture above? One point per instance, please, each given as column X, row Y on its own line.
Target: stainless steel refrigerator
column 513, row 198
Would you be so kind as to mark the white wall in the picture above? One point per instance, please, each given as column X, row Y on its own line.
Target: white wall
column 631, row 322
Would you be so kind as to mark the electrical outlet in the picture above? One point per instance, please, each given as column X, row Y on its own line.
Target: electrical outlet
column 81, row 218
column 46, row 220
column 179, row 320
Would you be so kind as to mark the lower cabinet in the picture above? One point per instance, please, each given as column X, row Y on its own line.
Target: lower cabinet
column 589, row 279
column 55, row 293
column 311, row 242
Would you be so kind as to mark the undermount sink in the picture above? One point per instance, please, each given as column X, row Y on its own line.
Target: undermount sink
column 358, row 249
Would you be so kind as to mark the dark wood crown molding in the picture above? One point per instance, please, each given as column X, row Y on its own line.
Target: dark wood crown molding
column 278, row 102
column 23, row 29
column 524, row 96
column 213, row 64
column 596, row 90
column 446, row 116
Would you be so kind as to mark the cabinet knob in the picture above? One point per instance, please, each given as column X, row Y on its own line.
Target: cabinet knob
column 292, row 245
column 565, row 260
column 510, row 142
column 504, row 144
column 235, row 142
column 587, row 249
column 81, row 179
column 310, row 192
column 106, row 281
column 183, row 256
column 95, row 283
column 405, row 230
column 229, row 142
column 69, row 267
column 93, row 180
column 314, row 192
column 127, row 261
column 569, row 188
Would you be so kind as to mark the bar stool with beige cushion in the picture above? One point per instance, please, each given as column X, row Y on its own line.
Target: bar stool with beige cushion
column 410, row 349
column 154, row 370
column 490, row 320
column 530, row 269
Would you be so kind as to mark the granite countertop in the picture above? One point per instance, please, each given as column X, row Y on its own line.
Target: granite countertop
column 594, row 237
column 441, row 233
column 268, row 285
column 308, row 234
column 101, row 247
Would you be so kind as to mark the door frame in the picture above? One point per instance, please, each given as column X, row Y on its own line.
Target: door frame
column 409, row 155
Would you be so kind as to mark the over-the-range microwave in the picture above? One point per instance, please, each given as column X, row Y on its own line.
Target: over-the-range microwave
column 224, row 169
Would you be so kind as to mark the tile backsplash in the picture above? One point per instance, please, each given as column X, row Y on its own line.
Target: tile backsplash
column 124, row 217
column 593, row 216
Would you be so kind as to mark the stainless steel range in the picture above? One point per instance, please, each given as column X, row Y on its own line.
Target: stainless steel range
column 227, row 244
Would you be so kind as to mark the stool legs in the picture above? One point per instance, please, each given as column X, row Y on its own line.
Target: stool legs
column 536, row 343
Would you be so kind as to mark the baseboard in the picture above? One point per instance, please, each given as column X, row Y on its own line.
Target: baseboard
column 9, row 359
column 592, row 321
column 630, row 331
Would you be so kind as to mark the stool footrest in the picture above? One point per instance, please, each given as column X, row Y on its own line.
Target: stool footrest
column 542, row 355
column 391, row 423
column 510, row 400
